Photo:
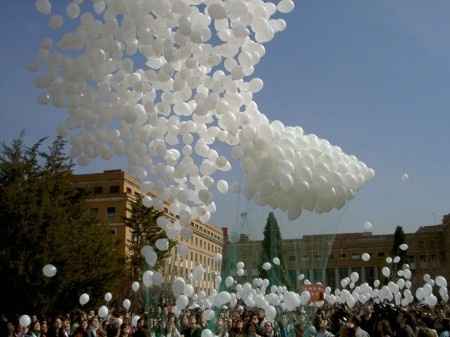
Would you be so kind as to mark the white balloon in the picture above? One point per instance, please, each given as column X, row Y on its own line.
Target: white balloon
column 276, row 261
column 386, row 271
column 103, row 312
column 126, row 304
column 266, row 266
column 403, row 247
column 365, row 257
column 147, row 278
column 108, row 297
column 84, row 299
column 43, row 6
column 162, row 244
column 368, row 226
column 222, row 186
column 24, row 321
column 135, row 286
column 49, row 270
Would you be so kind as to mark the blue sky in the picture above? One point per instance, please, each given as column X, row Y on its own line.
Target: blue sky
column 369, row 76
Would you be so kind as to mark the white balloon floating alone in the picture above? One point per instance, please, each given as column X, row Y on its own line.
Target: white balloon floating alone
column 162, row 244
column 386, row 271
column 103, row 311
column 108, row 297
column 84, row 299
column 405, row 177
column 266, row 266
column 24, row 321
column 43, row 7
column 126, row 304
column 240, row 265
column 368, row 226
column 403, row 247
column 135, row 286
column 365, row 257
column 276, row 261
column 396, row 259
column 49, row 270
column 301, row 277
column 177, row 142
column 389, row 260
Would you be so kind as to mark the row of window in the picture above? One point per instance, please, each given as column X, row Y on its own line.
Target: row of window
column 204, row 260
column 203, row 230
column 114, row 189
column 184, row 272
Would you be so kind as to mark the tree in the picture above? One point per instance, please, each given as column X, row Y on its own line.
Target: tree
column 399, row 238
column 271, row 247
column 43, row 220
column 144, row 231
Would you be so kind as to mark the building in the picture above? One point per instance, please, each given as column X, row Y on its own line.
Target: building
column 330, row 257
column 111, row 198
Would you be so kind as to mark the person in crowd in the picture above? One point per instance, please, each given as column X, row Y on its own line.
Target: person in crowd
column 321, row 325
column 93, row 326
column 359, row 332
column 79, row 332
column 171, row 327
column 141, row 329
column 269, row 330
column 196, row 329
column 221, row 328
column 35, row 329
column 384, row 329
column 125, row 330
column 44, row 328
column 252, row 330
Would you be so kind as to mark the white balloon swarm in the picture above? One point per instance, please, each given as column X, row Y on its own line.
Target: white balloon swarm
column 193, row 89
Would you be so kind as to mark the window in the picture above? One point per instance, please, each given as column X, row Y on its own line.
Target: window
column 137, row 194
column 356, row 257
column 114, row 189
column 343, row 256
column 422, row 258
column 93, row 211
column 110, row 213
column 114, row 231
column 381, row 254
column 98, row 190
column 129, row 190
column 292, row 258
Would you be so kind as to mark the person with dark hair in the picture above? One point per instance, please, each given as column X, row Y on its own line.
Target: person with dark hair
column 171, row 327
column 93, row 326
column 252, row 330
column 124, row 330
column 321, row 325
column 426, row 332
column 359, row 332
column 196, row 329
column 384, row 329
column 269, row 330
column 79, row 332
column 141, row 328
column 299, row 330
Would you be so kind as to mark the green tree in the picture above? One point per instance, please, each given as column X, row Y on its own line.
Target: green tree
column 43, row 220
column 271, row 248
column 399, row 238
column 144, row 231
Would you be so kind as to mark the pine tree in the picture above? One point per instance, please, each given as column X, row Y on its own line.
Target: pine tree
column 399, row 238
column 42, row 220
column 144, row 231
column 271, row 248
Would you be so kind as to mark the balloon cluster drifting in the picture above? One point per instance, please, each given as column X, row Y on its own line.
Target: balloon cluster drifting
column 162, row 82
column 394, row 288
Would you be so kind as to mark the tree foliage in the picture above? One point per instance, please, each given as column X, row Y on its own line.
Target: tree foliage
column 144, row 231
column 399, row 238
column 271, row 247
column 43, row 220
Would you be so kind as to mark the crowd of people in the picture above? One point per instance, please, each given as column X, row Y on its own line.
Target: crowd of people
column 374, row 320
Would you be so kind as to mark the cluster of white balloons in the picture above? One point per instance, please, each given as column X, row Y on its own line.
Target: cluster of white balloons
column 191, row 87
column 397, row 290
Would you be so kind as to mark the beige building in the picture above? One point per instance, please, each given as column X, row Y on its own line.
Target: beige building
column 113, row 193
column 330, row 257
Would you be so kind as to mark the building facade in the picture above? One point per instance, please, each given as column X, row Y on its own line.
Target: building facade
column 112, row 194
column 328, row 258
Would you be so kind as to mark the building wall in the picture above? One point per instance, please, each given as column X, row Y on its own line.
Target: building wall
column 113, row 194
column 328, row 258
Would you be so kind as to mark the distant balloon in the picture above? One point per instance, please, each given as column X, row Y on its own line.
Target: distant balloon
column 368, row 226
column 49, row 270
column 405, row 177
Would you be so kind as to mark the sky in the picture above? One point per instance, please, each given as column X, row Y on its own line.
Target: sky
column 369, row 76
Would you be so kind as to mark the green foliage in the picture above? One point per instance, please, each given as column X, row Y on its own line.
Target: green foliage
column 42, row 220
column 399, row 238
column 144, row 231
column 271, row 247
